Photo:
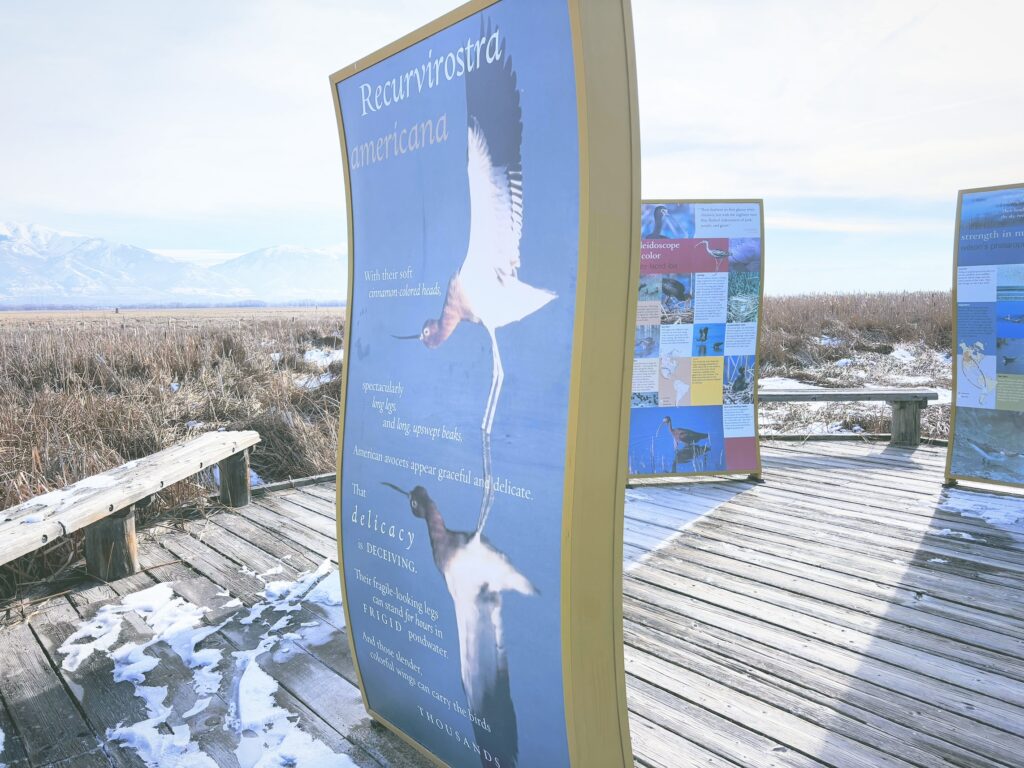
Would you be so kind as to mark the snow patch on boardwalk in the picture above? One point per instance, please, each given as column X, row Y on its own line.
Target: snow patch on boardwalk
column 265, row 733
column 1006, row 512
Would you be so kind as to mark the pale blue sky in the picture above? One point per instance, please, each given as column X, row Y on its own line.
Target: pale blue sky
column 205, row 129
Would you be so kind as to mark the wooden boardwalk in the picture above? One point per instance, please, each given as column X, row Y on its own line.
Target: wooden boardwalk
column 835, row 615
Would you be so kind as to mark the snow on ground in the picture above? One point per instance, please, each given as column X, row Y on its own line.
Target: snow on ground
column 908, row 365
column 1006, row 512
column 903, row 354
column 954, row 534
column 323, row 357
column 2, row 737
column 266, row 734
column 781, row 382
column 305, row 381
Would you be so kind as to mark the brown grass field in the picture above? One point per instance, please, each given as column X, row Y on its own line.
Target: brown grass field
column 82, row 392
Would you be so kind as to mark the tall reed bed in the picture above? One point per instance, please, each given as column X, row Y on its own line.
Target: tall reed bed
column 82, row 393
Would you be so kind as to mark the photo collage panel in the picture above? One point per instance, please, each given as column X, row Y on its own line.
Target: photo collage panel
column 695, row 343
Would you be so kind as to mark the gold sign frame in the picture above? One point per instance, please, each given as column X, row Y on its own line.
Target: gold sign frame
column 597, row 722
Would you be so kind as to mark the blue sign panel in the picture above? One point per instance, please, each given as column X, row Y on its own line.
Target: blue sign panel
column 463, row 168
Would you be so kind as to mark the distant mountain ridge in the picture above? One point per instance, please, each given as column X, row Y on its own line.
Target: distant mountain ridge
column 43, row 267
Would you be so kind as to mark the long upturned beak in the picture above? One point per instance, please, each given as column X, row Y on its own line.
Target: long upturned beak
column 395, row 487
column 416, row 336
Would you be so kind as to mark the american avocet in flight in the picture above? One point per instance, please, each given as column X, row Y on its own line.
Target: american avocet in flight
column 486, row 289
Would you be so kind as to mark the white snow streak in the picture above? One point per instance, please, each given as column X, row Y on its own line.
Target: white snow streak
column 267, row 734
column 1005, row 512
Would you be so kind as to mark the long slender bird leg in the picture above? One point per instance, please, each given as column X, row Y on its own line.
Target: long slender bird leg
column 488, row 499
column 497, row 378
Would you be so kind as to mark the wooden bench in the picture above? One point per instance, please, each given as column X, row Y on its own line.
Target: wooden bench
column 104, row 505
column 906, row 405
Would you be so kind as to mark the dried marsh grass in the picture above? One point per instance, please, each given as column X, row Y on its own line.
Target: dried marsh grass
column 794, row 326
column 82, row 393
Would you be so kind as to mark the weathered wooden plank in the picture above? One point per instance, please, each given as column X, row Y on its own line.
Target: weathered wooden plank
column 104, row 702
column 264, row 512
column 876, row 534
column 760, row 716
column 94, row 759
column 754, row 602
column 300, row 513
column 803, row 545
column 986, row 590
column 277, row 546
column 885, row 708
column 995, row 652
column 845, row 395
column 69, row 509
column 847, row 660
column 50, row 724
column 742, row 561
column 703, row 726
column 13, row 752
column 680, row 668
column 656, row 747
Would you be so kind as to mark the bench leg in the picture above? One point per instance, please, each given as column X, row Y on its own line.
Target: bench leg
column 234, row 480
column 906, row 423
column 111, row 549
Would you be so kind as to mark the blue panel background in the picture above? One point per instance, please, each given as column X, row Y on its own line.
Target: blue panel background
column 413, row 211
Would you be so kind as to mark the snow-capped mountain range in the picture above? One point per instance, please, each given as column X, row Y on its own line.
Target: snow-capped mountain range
column 46, row 268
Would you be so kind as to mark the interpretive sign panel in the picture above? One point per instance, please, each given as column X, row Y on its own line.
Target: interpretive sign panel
column 481, row 559
column 694, row 393
column 988, row 337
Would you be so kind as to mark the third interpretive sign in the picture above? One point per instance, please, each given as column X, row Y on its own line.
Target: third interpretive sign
column 988, row 356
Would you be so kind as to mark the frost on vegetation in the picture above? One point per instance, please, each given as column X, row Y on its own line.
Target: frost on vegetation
column 266, row 734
